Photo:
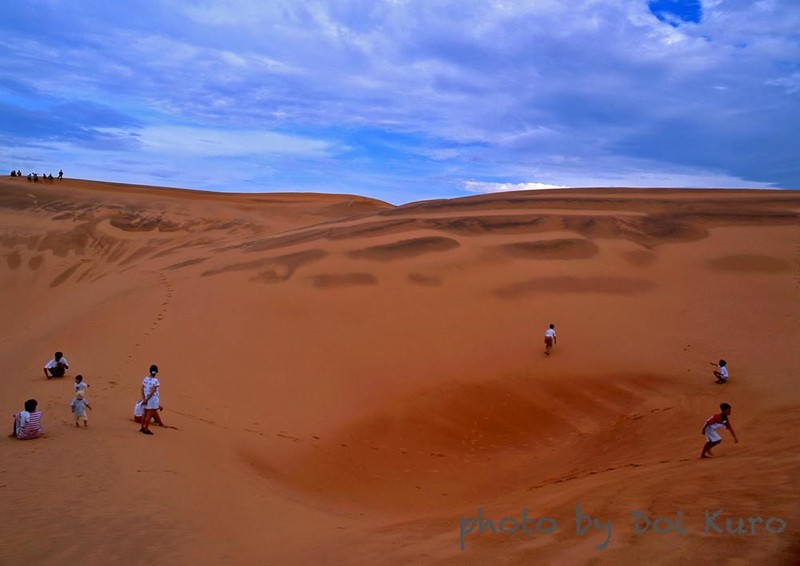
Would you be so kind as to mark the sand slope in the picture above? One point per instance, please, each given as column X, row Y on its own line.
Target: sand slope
column 351, row 379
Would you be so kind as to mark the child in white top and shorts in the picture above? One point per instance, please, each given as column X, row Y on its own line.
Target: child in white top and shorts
column 79, row 405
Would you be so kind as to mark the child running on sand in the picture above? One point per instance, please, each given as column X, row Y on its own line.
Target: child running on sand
column 721, row 373
column 79, row 405
column 550, row 339
column 715, row 422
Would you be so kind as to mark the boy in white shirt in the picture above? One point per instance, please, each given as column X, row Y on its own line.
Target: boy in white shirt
column 80, row 385
column 56, row 367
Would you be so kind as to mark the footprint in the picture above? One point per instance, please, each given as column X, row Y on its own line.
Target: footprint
column 282, row 434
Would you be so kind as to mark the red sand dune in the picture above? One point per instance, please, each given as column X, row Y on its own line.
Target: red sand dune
column 351, row 381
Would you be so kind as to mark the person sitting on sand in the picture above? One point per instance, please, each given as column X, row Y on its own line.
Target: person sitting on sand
column 28, row 423
column 57, row 367
column 550, row 339
column 79, row 405
column 138, row 413
column 722, row 372
column 715, row 422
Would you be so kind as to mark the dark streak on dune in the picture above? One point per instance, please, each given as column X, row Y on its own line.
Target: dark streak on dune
column 749, row 263
column 85, row 274
column 405, row 248
column 182, row 246
column 188, row 263
column 373, row 229
column 492, row 224
column 330, row 281
column 117, row 251
column 35, row 262
column 566, row 284
column 62, row 243
column 276, row 269
column 138, row 254
column 64, row 276
column 424, row 280
column 273, row 242
column 639, row 258
column 658, row 229
column 14, row 260
column 551, row 249
column 134, row 223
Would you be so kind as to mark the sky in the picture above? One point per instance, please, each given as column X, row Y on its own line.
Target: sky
column 403, row 100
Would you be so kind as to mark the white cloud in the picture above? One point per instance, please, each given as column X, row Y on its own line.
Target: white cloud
column 220, row 143
column 489, row 187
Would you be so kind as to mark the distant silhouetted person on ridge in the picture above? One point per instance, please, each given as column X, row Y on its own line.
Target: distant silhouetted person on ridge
column 60, row 174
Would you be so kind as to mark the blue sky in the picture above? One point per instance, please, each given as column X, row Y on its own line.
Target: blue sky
column 403, row 100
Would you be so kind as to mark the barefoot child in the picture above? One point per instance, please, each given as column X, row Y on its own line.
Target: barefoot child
column 715, row 422
column 550, row 339
column 721, row 373
column 79, row 406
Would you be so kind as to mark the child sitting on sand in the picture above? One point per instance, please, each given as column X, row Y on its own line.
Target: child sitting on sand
column 79, row 405
column 714, row 423
column 722, row 372
column 28, row 423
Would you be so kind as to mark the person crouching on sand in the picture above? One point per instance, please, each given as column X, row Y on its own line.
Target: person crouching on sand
column 57, row 367
column 28, row 423
column 715, row 422
column 138, row 413
column 550, row 339
column 721, row 373
column 79, row 405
